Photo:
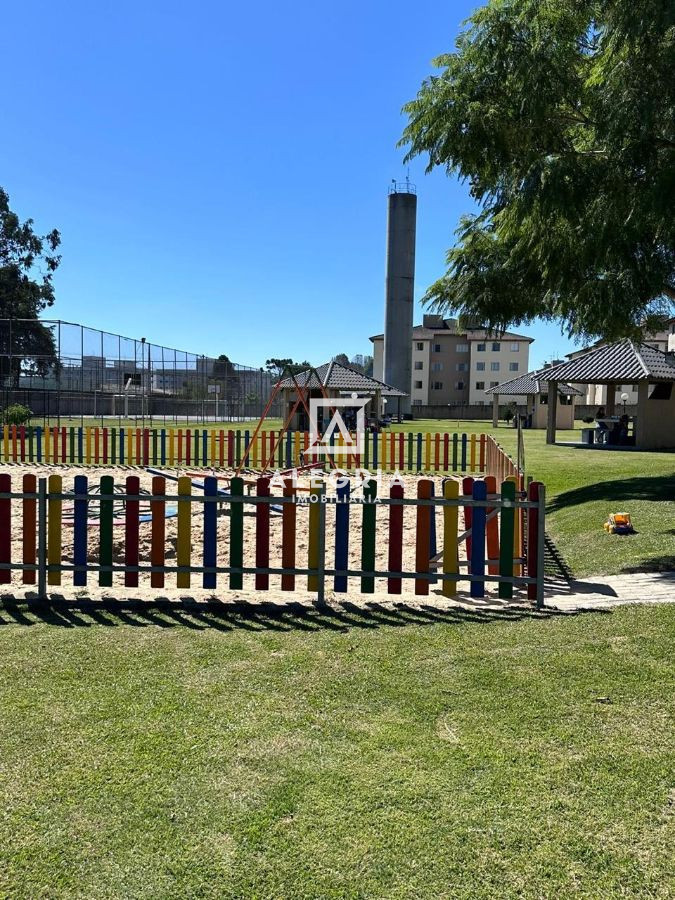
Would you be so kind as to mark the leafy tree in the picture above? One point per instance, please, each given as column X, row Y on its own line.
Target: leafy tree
column 16, row 414
column 226, row 374
column 27, row 265
column 277, row 366
column 364, row 363
column 342, row 359
column 560, row 115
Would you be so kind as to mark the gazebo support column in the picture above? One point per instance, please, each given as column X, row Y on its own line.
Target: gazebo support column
column 495, row 411
column 552, row 411
column 641, row 420
column 610, row 406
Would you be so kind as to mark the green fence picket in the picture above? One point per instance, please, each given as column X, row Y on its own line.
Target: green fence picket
column 368, row 536
column 105, row 579
column 506, row 539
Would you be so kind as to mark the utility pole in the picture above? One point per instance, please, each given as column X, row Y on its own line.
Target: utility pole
column 142, row 380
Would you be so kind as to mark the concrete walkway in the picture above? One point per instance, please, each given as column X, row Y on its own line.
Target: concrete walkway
column 611, row 590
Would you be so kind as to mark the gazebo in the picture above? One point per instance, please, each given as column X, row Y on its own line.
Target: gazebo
column 333, row 380
column 621, row 363
column 534, row 389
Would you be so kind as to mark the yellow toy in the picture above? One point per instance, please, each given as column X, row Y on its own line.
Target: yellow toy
column 619, row 523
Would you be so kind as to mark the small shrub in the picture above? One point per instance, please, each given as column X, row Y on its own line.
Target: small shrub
column 587, row 419
column 17, row 414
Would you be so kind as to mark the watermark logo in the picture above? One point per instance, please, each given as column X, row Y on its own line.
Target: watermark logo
column 324, row 440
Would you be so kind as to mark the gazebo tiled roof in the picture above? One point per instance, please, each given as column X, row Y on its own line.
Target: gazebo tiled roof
column 531, row 383
column 619, row 363
column 341, row 378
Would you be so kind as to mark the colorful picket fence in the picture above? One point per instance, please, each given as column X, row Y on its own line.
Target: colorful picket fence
column 502, row 538
column 200, row 447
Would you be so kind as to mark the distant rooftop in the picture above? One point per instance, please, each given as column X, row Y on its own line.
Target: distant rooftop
column 531, row 383
column 433, row 325
column 341, row 378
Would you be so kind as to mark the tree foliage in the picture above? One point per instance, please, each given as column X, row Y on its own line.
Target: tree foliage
column 27, row 265
column 224, row 371
column 560, row 115
column 16, row 414
column 277, row 367
column 359, row 362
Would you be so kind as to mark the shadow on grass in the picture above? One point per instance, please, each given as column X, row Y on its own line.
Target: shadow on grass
column 656, row 487
column 200, row 615
column 556, row 567
column 653, row 565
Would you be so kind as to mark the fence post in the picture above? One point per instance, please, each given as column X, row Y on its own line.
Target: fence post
column 42, row 539
column 541, row 545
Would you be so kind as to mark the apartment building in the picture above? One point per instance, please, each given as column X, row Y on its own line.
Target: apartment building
column 450, row 367
column 596, row 394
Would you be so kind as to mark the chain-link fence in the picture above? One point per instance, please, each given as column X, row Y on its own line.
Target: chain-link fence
column 62, row 370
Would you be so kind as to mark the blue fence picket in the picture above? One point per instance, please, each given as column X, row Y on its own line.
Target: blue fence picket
column 80, row 531
column 477, row 588
column 341, row 535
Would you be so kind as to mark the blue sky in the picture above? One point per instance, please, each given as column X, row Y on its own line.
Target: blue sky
column 219, row 172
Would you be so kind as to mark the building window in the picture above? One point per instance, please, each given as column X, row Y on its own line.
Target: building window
column 437, row 348
column 494, row 383
column 418, row 385
column 419, row 365
column 419, row 345
column 480, row 385
column 417, row 403
column 461, row 367
column 480, row 367
column 513, row 367
column 496, row 346
column 437, row 367
column 480, row 348
column 459, row 385
column 462, row 348
column 515, row 346
column 494, row 367
column 438, row 385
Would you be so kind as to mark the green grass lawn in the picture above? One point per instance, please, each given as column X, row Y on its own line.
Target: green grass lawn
column 171, row 755
column 584, row 487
